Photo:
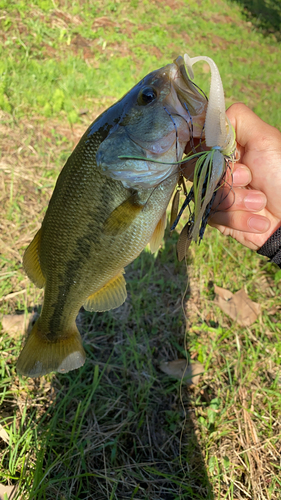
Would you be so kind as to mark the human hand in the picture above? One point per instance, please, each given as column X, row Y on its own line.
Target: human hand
column 251, row 211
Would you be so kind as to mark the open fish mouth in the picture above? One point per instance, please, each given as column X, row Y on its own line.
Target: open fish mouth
column 193, row 101
column 187, row 102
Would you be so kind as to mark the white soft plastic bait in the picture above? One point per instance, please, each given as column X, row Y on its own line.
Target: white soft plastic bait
column 219, row 132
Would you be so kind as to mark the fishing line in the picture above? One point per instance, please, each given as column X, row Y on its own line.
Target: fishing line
column 202, row 91
column 182, row 378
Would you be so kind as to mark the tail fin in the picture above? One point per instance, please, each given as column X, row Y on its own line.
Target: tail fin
column 40, row 356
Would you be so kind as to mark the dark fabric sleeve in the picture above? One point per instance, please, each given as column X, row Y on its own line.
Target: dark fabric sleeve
column 272, row 248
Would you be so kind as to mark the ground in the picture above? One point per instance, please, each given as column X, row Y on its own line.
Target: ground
column 119, row 427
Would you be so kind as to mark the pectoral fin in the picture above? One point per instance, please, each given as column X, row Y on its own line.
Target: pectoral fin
column 123, row 216
column 110, row 296
column 31, row 262
column 158, row 234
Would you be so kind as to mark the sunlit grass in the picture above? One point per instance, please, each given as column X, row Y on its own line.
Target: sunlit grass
column 68, row 59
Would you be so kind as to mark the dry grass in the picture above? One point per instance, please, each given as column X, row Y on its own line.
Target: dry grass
column 119, row 428
column 139, row 431
column 243, row 437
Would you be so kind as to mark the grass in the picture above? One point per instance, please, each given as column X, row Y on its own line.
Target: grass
column 119, row 428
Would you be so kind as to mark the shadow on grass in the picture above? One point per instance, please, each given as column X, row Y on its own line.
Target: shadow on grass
column 118, row 427
column 264, row 15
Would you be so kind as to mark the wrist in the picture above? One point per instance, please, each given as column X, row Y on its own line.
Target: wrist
column 272, row 247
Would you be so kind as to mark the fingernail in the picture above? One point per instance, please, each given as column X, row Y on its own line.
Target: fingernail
column 259, row 225
column 242, row 176
column 255, row 201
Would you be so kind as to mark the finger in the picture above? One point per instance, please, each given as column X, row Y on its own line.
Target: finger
column 248, row 200
column 250, row 240
column 238, row 176
column 248, row 126
column 241, row 176
column 241, row 221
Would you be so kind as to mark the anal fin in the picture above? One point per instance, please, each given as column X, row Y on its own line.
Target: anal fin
column 31, row 262
column 158, row 234
column 110, row 296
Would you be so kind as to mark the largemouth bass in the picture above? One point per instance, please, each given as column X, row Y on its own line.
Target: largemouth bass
column 105, row 209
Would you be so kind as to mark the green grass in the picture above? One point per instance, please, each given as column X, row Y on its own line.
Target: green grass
column 68, row 60
column 119, row 428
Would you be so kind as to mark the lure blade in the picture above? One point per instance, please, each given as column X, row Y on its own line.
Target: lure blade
column 175, row 208
column 184, row 241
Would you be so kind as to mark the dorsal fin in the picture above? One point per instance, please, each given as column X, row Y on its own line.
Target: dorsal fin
column 31, row 261
column 158, row 234
column 123, row 216
column 110, row 296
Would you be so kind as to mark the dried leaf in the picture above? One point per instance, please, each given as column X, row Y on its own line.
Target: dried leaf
column 17, row 324
column 238, row 306
column 14, row 323
column 223, row 293
column 182, row 371
column 9, row 490
column 4, row 435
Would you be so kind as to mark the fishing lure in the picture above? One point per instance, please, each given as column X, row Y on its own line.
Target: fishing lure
column 210, row 165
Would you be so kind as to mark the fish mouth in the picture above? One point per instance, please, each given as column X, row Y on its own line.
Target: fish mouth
column 185, row 106
column 186, row 99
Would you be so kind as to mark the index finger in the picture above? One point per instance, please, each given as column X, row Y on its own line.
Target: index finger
column 249, row 128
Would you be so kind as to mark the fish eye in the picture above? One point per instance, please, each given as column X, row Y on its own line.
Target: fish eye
column 147, row 95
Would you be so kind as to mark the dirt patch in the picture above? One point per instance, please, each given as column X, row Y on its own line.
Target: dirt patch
column 66, row 18
column 104, row 22
column 219, row 42
column 222, row 18
column 173, row 4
